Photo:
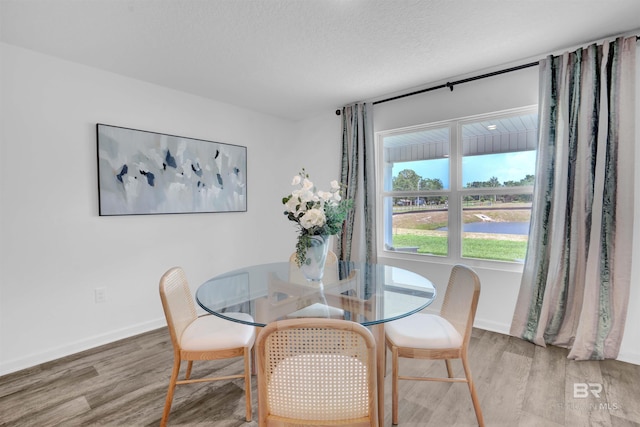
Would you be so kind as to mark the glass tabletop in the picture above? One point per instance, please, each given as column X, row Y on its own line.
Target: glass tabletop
column 365, row 293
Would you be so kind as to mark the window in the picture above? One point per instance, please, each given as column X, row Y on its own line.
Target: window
column 460, row 188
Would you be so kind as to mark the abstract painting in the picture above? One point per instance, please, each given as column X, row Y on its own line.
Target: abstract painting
column 142, row 173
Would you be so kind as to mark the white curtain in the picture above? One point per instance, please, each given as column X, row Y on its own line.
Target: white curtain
column 576, row 279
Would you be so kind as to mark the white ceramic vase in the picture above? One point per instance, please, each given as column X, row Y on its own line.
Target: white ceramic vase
column 315, row 257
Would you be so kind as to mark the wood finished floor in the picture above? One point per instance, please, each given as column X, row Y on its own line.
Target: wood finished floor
column 124, row 384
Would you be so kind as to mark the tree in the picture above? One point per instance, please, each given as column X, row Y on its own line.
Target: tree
column 430, row 184
column 407, row 180
column 527, row 180
column 476, row 184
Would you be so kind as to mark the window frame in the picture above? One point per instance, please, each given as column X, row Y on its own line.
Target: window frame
column 455, row 193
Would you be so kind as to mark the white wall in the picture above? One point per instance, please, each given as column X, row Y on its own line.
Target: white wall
column 499, row 286
column 317, row 148
column 55, row 249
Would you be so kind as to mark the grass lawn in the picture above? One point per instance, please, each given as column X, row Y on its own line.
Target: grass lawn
column 411, row 230
column 501, row 250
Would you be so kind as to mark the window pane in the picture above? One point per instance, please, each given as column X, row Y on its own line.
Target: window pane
column 420, row 227
column 483, row 165
column 499, row 152
column 419, row 160
column 496, row 227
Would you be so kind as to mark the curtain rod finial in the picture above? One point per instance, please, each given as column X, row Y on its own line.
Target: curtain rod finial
column 337, row 112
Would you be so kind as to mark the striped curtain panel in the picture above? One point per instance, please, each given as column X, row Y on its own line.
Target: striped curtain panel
column 358, row 238
column 576, row 278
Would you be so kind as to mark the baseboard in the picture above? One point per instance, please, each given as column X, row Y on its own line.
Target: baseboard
column 488, row 325
column 632, row 358
column 78, row 346
column 502, row 328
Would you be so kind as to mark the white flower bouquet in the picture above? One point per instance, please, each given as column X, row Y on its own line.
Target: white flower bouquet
column 316, row 213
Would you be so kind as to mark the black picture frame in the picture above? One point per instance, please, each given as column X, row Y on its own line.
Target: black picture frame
column 145, row 173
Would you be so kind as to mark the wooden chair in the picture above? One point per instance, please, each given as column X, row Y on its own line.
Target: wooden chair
column 445, row 336
column 201, row 338
column 316, row 372
column 317, row 309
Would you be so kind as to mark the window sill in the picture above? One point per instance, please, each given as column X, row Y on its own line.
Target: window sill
column 473, row 263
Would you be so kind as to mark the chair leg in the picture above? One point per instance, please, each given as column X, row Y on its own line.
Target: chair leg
column 449, row 369
column 394, row 385
column 472, row 390
column 172, row 387
column 189, row 366
column 247, row 382
column 254, row 368
column 384, row 361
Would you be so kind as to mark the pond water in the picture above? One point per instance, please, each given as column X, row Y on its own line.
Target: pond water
column 495, row 227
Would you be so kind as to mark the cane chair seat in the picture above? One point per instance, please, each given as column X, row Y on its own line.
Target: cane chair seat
column 318, row 310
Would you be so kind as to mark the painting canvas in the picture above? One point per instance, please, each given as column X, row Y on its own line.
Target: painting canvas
column 141, row 173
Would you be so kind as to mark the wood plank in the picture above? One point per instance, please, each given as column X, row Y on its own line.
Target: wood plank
column 455, row 407
column 587, row 410
column 46, row 395
column 622, row 390
column 502, row 401
column 57, row 415
column 545, row 393
column 125, row 383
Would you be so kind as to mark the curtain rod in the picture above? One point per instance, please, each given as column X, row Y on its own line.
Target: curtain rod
column 450, row 85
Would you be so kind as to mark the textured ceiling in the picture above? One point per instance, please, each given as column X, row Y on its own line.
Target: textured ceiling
column 295, row 58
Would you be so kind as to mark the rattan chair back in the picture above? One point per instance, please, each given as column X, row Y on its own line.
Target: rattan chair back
column 177, row 302
column 461, row 300
column 316, row 372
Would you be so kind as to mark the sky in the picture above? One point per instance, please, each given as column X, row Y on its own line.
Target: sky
column 504, row 166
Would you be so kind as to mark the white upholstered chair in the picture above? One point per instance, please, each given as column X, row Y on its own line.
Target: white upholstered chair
column 316, row 372
column 317, row 309
column 201, row 338
column 445, row 336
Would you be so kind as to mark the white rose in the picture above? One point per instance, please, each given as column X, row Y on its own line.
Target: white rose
column 324, row 195
column 306, row 184
column 313, row 218
column 306, row 196
column 296, row 180
column 298, row 195
column 291, row 204
column 334, row 185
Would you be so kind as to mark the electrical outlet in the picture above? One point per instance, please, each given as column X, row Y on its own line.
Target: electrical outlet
column 100, row 295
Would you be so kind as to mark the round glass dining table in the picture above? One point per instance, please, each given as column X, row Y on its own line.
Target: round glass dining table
column 370, row 294
column 365, row 293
